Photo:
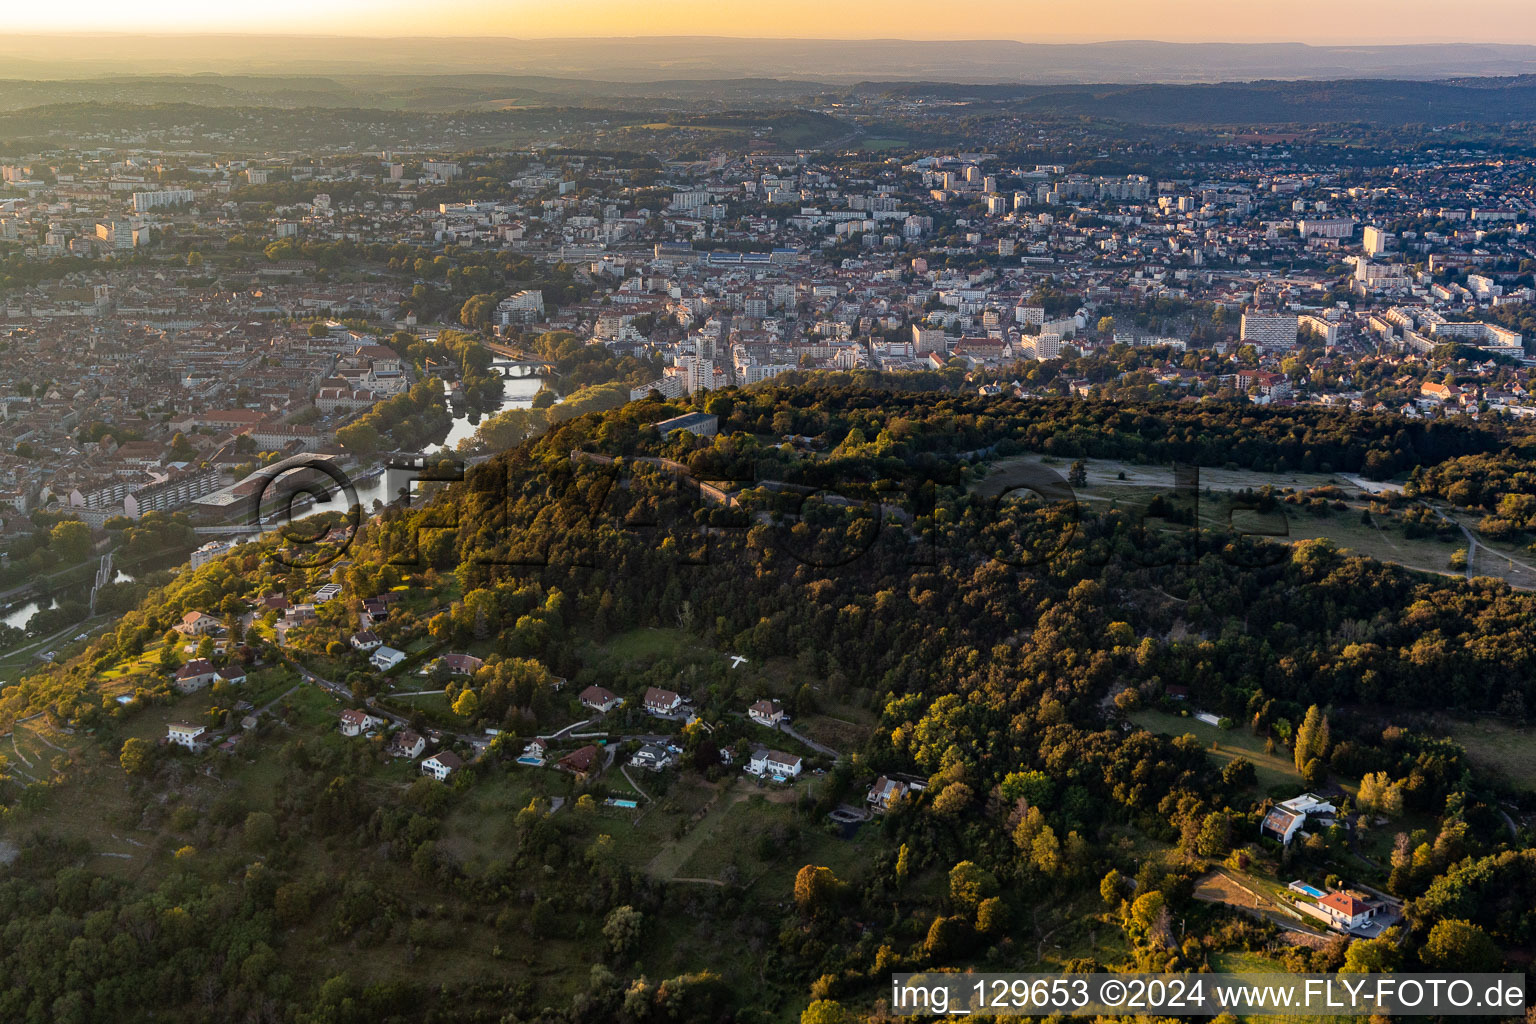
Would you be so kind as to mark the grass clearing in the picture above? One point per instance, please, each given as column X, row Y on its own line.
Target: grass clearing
column 1104, row 476
column 645, row 643
column 1225, row 745
column 1238, row 962
column 1499, row 747
column 1131, row 487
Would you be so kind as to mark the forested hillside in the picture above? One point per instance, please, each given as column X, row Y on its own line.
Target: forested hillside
column 1025, row 667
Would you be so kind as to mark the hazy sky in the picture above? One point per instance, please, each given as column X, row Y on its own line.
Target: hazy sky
column 1314, row 21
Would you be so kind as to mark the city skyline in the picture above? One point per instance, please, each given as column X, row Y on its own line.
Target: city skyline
column 1194, row 21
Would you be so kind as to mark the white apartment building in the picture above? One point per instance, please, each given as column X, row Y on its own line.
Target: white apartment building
column 524, row 307
column 146, row 201
column 1270, row 330
column 1331, row 227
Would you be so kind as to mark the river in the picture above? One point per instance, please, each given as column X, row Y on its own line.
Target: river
column 20, row 614
column 517, row 394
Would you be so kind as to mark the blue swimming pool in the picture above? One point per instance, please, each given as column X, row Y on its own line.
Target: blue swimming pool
column 1310, row 890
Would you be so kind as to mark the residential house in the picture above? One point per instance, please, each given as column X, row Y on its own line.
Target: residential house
column 376, row 608
column 653, row 756
column 232, row 674
column 195, row 675
column 1286, row 818
column 774, row 763
column 365, row 640
column 661, row 702
column 385, row 658
column 1346, row 911
column 886, row 792
column 461, row 664
column 407, row 743
column 298, row 614
column 766, row 712
column 583, row 762
column 356, row 723
column 441, row 765
column 184, row 734
column 533, row 753
column 599, row 699
column 198, row 624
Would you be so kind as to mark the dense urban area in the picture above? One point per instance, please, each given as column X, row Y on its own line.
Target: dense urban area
column 689, row 556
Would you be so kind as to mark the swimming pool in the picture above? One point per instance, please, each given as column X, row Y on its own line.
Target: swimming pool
column 1309, row 890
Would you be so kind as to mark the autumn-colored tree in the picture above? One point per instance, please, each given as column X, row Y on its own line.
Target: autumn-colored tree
column 945, row 936
column 816, row 888
column 969, row 884
column 1455, row 945
column 466, row 704
column 952, row 799
column 1380, row 794
column 824, row 1011
column 1045, row 852
column 1111, row 886
column 991, row 916
column 1311, row 737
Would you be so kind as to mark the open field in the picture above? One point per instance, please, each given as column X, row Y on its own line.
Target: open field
column 1225, row 745
column 646, row 643
column 703, row 835
column 1103, row 476
column 1257, row 963
column 1503, row 749
column 1131, row 488
column 840, row 733
column 880, row 144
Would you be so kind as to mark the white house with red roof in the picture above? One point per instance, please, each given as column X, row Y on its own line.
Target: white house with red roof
column 198, row 624
column 1346, row 911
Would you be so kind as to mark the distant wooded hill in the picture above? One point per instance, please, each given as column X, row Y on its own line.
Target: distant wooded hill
column 1373, row 101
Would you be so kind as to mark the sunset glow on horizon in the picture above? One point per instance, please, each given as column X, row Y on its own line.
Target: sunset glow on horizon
column 1310, row 21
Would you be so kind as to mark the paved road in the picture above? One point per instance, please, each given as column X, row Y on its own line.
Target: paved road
column 36, row 645
column 570, row 728
column 820, row 748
